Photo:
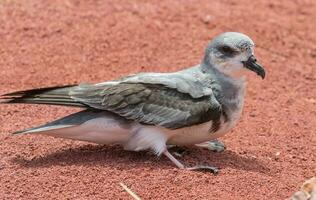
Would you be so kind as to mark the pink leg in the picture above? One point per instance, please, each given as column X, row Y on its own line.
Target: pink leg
column 173, row 159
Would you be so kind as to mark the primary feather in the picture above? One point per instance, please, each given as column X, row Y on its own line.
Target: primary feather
column 51, row 95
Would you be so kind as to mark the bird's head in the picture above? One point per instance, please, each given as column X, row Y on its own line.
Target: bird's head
column 230, row 53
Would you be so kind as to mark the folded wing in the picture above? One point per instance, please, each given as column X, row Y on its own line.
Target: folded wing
column 147, row 103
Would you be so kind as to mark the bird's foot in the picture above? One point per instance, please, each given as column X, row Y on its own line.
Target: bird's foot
column 206, row 168
column 213, row 145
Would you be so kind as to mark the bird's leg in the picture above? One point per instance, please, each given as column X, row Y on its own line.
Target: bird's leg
column 213, row 145
column 212, row 169
column 173, row 159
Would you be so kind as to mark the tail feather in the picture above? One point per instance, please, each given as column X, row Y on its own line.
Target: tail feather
column 50, row 95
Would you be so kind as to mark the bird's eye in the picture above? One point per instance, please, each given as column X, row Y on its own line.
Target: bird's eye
column 227, row 50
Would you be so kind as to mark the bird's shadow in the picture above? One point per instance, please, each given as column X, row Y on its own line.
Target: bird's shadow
column 115, row 156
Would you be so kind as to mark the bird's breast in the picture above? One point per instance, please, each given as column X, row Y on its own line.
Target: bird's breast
column 190, row 135
column 206, row 131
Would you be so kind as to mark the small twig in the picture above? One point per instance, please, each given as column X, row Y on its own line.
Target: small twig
column 130, row 192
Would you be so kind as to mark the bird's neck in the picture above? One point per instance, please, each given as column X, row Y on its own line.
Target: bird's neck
column 236, row 83
column 229, row 91
column 221, row 84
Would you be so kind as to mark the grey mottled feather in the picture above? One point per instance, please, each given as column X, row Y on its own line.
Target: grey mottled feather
column 153, row 104
column 149, row 104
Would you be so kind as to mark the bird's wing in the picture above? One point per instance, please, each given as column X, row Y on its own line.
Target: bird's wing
column 149, row 103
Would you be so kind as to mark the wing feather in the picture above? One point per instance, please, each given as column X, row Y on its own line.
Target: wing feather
column 150, row 104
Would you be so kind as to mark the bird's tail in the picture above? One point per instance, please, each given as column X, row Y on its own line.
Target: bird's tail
column 51, row 95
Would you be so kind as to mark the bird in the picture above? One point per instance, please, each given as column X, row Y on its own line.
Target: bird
column 152, row 110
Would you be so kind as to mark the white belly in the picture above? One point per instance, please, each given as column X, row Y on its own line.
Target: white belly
column 201, row 133
column 190, row 135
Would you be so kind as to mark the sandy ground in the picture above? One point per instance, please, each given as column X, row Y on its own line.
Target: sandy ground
column 43, row 43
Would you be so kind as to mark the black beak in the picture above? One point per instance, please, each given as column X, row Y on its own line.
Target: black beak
column 253, row 65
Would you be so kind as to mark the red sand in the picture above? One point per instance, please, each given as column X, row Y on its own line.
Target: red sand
column 44, row 43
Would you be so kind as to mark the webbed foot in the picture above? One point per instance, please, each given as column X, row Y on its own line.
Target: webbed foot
column 213, row 145
column 206, row 168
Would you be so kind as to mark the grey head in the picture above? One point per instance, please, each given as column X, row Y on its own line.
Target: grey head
column 232, row 52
